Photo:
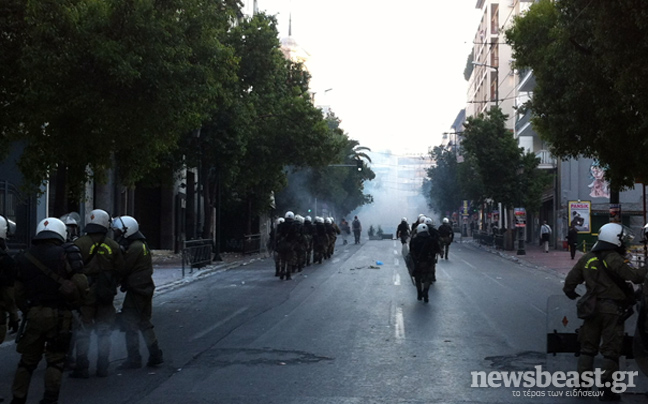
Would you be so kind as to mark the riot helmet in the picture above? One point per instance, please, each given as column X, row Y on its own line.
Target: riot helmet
column 299, row 218
column 125, row 226
column 612, row 236
column 51, row 228
column 4, row 228
column 421, row 228
column 308, row 219
column 327, row 220
column 289, row 215
column 98, row 221
column 445, row 220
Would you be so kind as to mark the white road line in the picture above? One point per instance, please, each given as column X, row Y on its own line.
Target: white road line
column 468, row 263
column 539, row 309
column 494, row 280
column 399, row 329
column 218, row 324
column 397, row 279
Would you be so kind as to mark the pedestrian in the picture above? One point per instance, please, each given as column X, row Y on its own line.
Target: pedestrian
column 423, row 249
column 104, row 267
column 357, row 229
column 446, row 234
column 403, row 230
column 572, row 239
column 605, row 272
column 8, row 310
column 346, row 231
column 49, row 285
column 545, row 235
column 137, row 308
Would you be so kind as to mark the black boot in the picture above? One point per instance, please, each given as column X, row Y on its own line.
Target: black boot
column 155, row 356
column 419, row 294
column 426, row 298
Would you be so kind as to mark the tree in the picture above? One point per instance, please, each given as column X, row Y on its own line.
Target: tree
column 589, row 62
column 444, row 189
column 339, row 185
column 94, row 83
column 508, row 175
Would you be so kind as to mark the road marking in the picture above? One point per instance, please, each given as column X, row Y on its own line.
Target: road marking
column 468, row 263
column 494, row 280
column 395, row 251
column 218, row 324
column 399, row 329
column 396, row 279
column 539, row 309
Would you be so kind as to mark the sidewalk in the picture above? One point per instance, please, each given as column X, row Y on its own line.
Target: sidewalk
column 167, row 268
column 557, row 260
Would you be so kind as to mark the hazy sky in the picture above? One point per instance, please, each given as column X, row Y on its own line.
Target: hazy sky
column 396, row 68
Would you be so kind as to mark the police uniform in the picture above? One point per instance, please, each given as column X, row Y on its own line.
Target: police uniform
column 604, row 271
column 137, row 308
column 104, row 266
column 423, row 249
column 446, row 237
column 49, row 284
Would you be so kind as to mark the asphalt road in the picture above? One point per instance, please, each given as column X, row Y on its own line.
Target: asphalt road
column 347, row 331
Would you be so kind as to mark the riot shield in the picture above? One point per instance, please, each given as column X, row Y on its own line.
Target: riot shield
column 563, row 325
column 640, row 343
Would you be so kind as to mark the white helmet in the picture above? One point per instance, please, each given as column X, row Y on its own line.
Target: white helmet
column 127, row 225
column 308, row 219
column 429, row 221
column 421, row 219
column 3, row 228
column 289, row 215
column 327, row 220
column 319, row 219
column 280, row 220
column 445, row 220
column 421, row 228
column 71, row 219
column 612, row 233
column 100, row 218
column 299, row 218
column 403, row 219
column 51, row 228
column 332, row 219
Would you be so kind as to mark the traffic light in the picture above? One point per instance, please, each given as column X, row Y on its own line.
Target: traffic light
column 359, row 164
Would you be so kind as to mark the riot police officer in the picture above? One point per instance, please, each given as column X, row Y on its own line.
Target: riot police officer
column 47, row 289
column 8, row 310
column 137, row 308
column 606, row 273
column 423, row 249
column 446, row 234
column 403, row 231
column 286, row 240
column 320, row 240
column 104, row 267
column 309, row 229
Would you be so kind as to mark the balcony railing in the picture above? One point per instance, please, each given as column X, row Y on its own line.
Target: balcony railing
column 547, row 160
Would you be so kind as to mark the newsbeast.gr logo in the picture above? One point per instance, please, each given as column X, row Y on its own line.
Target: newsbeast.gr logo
column 579, row 385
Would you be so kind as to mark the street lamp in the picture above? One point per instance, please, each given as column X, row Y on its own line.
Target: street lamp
column 496, row 75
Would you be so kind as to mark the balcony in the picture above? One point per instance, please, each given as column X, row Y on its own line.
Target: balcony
column 547, row 160
column 523, row 124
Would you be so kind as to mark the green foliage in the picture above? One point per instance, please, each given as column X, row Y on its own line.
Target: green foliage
column 109, row 81
column 589, row 61
column 507, row 175
column 444, row 192
column 340, row 187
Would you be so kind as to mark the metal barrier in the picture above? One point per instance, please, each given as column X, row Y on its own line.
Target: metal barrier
column 251, row 243
column 196, row 254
